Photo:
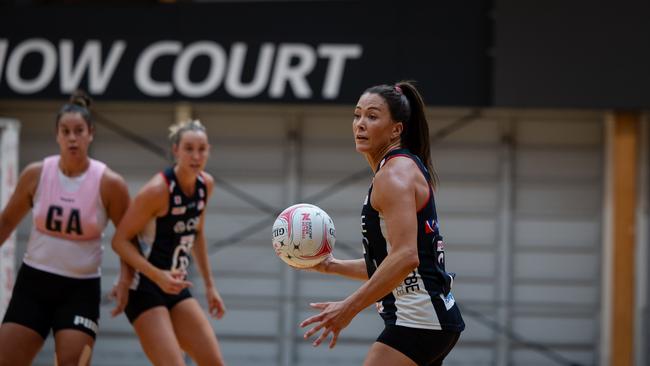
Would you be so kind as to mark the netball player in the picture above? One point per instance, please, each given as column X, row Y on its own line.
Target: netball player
column 168, row 216
column 404, row 264
column 58, row 286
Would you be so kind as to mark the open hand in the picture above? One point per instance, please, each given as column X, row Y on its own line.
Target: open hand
column 332, row 319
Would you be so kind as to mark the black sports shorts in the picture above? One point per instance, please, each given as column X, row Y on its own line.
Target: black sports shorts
column 425, row 347
column 148, row 295
column 42, row 301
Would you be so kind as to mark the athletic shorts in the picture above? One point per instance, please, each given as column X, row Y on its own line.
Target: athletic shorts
column 425, row 347
column 42, row 301
column 148, row 295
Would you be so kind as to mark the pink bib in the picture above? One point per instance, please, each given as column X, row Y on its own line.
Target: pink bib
column 67, row 207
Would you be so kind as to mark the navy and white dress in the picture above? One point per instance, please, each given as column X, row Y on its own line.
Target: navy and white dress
column 423, row 300
column 167, row 242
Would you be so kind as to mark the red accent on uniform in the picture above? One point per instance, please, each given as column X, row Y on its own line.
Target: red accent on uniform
column 427, row 227
column 165, row 178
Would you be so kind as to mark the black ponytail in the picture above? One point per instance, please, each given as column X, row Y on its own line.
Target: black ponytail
column 406, row 105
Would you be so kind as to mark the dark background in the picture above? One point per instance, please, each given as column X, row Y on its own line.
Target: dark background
column 442, row 45
column 502, row 53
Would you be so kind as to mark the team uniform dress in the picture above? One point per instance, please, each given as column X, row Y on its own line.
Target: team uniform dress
column 58, row 284
column 422, row 309
column 167, row 242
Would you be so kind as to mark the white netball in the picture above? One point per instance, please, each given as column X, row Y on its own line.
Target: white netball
column 303, row 235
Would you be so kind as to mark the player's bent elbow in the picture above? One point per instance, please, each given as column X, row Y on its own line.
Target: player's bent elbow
column 411, row 259
column 414, row 262
column 116, row 245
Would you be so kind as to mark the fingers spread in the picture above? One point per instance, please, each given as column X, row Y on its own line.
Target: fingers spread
column 310, row 320
column 335, row 337
column 313, row 330
column 322, row 337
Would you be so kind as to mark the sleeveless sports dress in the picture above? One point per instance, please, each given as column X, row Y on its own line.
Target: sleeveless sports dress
column 167, row 242
column 423, row 300
column 58, row 284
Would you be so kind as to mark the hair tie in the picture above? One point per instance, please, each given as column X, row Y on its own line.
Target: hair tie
column 398, row 89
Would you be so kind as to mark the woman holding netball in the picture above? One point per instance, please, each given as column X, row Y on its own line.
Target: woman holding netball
column 167, row 216
column 58, row 286
column 404, row 266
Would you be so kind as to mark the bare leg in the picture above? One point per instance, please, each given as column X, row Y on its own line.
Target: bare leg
column 195, row 333
column 156, row 332
column 18, row 344
column 383, row 355
column 73, row 347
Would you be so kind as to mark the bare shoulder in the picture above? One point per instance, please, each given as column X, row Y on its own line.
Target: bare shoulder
column 32, row 171
column 394, row 186
column 398, row 174
column 113, row 190
column 155, row 192
column 30, row 176
column 153, row 196
column 157, row 186
column 209, row 181
column 112, row 180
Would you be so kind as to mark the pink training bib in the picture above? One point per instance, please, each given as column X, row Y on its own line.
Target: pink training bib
column 67, row 207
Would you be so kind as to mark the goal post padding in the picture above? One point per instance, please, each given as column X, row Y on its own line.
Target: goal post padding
column 9, row 140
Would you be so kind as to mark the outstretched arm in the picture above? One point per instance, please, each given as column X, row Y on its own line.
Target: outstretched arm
column 20, row 201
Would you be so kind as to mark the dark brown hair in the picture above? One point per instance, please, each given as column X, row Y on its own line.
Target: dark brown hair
column 406, row 105
column 79, row 103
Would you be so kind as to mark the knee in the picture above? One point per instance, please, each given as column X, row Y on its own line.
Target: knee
column 215, row 362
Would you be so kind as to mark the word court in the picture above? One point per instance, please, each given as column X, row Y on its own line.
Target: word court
column 168, row 68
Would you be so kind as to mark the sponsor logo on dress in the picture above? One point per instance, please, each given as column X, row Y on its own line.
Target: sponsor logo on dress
column 87, row 323
column 182, row 226
column 448, row 300
column 411, row 285
column 177, row 200
column 201, row 205
column 179, row 210
column 440, row 245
